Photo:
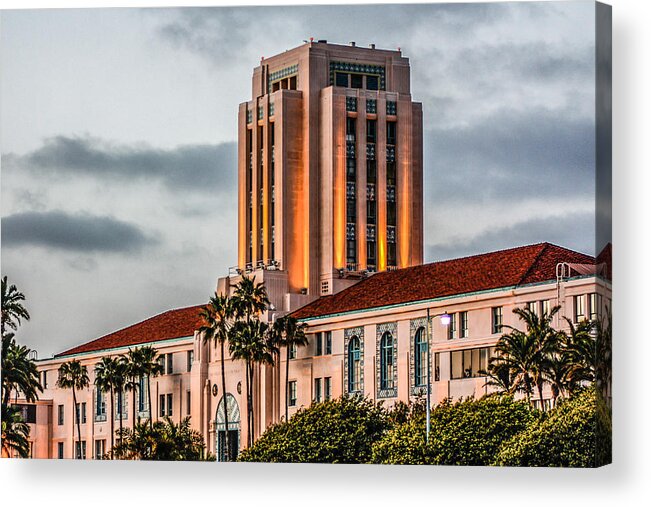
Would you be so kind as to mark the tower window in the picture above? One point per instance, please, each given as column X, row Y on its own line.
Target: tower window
column 371, row 131
column 341, row 79
column 356, row 81
column 372, row 82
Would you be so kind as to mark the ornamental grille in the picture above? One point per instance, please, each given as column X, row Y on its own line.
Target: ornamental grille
column 350, row 190
column 281, row 74
column 370, row 192
column 351, row 104
column 350, row 232
column 357, row 68
column 391, row 153
column 391, row 193
column 370, row 232
column 392, row 108
column 249, row 116
column 370, row 151
column 391, row 234
column 350, row 149
column 371, row 106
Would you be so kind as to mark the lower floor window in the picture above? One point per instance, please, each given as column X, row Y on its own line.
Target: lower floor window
column 100, row 449
column 60, row 450
column 80, row 450
column 327, row 388
column 317, row 389
column 292, row 393
column 470, row 363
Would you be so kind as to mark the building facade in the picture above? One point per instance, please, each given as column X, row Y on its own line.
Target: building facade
column 330, row 206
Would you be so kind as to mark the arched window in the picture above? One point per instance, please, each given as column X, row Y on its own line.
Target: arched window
column 386, row 361
column 420, row 357
column 354, row 365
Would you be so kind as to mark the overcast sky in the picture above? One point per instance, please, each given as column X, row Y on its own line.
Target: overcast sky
column 118, row 130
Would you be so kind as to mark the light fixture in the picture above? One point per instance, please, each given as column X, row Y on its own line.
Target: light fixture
column 445, row 319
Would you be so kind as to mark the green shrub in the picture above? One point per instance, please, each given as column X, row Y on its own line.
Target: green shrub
column 335, row 431
column 467, row 432
column 576, row 434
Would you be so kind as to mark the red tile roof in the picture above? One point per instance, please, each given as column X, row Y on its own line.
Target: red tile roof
column 165, row 326
column 504, row 268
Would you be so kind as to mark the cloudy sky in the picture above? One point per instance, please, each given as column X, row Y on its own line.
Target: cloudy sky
column 118, row 130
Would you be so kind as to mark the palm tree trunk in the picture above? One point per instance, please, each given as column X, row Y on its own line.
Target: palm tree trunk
column 287, row 386
column 77, row 417
column 252, row 420
column 540, row 393
column 151, row 415
column 133, row 411
column 112, row 421
column 226, row 439
column 120, row 394
column 248, row 408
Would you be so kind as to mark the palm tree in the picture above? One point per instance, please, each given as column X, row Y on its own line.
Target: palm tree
column 135, row 372
column 150, row 368
column 73, row 375
column 121, row 379
column 12, row 308
column 107, row 378
column 249, row 342
column 249, row 298
column 217, row 317
column 19, row 372
column 526, row 353
column 500, row 376
column 289, row 333
column 15, row 433
column 581, row 350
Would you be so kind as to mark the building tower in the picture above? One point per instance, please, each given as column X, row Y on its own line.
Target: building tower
column 330, row 170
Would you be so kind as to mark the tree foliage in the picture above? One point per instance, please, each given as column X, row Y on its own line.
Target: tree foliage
column 575, row 434
column 163, row 441
column 341, row 430
column 467, row 432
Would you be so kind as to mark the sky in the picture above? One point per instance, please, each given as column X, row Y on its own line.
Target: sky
column 118, row 142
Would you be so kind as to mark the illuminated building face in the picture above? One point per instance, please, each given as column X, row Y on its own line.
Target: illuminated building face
column 330, row 166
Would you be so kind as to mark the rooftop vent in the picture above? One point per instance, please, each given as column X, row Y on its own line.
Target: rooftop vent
column 352, row 43
column 372, row 46
column 325, row 41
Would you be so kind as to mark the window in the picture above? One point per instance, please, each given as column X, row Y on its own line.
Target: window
column 60, row 450
column 60, row 415
column 354, row 365
column 463, row 321
column 391, row 132
column 350, row 129
column 188, row 402
column 44, row 379
column 317, row 390
column 190, row 356
column 356, row 81
column 80, row 450
column 371, row 131
column 595, row 305
column 437, row 367
column 292, row 351
column 452, row 327
column 496, row 320
column 169, row 405
column 351, row 169
column 100, row 449
column 545, row 307
column 80, row 413
column 371, row 171
column 142, row 395
column 170, row 363
column 420, row 357
column 318, row 344
column 391, row 254
column 341, row 79
column 327, row 388
column 161, row 405
column 327, row 336
column 391, row 173
column 351, row 251
column 469, row 363
column 120, row 409
column 386, row 361
column 292, row 393
column 372, row 82
column 391, row 213
column 579, row 308
column 100, row 405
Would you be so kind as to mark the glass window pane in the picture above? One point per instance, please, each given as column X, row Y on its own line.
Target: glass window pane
column 457, row 364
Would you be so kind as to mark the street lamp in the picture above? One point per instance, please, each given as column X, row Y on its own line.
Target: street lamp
column 445, row 320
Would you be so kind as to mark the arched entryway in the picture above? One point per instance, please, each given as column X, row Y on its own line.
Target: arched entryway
column 232, row 432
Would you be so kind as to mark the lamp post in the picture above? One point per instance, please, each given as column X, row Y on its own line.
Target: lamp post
column 445, row 320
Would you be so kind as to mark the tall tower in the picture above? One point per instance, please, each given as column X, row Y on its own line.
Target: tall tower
column 330, row 170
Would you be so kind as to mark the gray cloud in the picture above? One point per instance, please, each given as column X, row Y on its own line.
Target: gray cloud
column 511, row 155
column 566, row 230
column 205, row 168
column 77, row 233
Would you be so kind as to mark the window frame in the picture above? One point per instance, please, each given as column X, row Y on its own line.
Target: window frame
column 497, row 314
column 420, row 357
column 292, row 395
column 354, row 352
column 387, row 380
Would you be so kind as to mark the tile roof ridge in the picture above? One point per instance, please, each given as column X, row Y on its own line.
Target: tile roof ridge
column 534, row 262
